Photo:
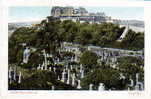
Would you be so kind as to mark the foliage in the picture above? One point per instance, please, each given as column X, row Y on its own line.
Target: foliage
column 89, row 60
column 41, row 80
column 109, row 77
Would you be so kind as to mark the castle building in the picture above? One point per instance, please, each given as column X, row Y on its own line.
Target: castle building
column 80, row 14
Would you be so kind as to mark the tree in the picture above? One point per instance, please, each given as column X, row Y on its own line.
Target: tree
column 89, row 60
column 129, row 66
column 109, row 77
column 41, row 80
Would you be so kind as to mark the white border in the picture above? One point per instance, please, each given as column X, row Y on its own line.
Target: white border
column 74, row 94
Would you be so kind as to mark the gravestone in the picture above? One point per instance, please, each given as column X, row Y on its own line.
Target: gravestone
column 26, row 55
column 71, row 67
column 54, row 69
column 137, row 75
column 101, row 87
column 81, row 67
column 82, row 74
column 122, row 76
column 132, row 83
column 9, row 72
column 73, row 79
column 68, row 79
column 38, row 67
column 79, row 84
column 14, row 74
column 19, row 80
column 58, row 77
column 52, row 87
column 63, row 76
column 45, row 59
column 50, row 69
column 91, row 87
column 136, row 87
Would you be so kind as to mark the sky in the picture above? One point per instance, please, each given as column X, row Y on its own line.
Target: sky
column 35, row 13
column 48, row 2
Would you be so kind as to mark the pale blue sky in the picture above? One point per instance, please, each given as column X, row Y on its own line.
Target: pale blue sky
column 18, row 14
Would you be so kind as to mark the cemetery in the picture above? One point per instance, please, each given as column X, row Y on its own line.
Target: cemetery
column 69, row 70
column 66, row 55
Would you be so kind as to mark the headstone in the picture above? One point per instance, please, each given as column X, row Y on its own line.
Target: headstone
column 75, row 59
column 128, row 88
column 38, row 67
column 66, row 67
column 81, row 67
column 136, row 87
column 82, row 74
column 58, row 77
column 14, row 75
column 71, row 67
column 63, row 76
column 54, row 69
column 68, row 79
column 45, row 57
column 50, row 69
column 48, row 63
column 79, row 85
column 137, row 75
column 132, row 83
column 72, row 59
column 26, row 55
column 52, row 87
column 91, row 87
column 9, row 72
column 42, row 67
column 58, row 60
column 19, row 80
column 48, row 55
column 73, row 79
column 101, row 87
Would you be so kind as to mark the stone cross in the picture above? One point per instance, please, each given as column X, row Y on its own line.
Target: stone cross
column 122, row 76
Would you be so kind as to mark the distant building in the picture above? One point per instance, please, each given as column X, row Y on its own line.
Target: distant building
column 80, row 14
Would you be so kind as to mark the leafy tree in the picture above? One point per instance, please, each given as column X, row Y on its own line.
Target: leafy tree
column 41, row 80
column 109, row 77
column 129, row 66
column 89, row 60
